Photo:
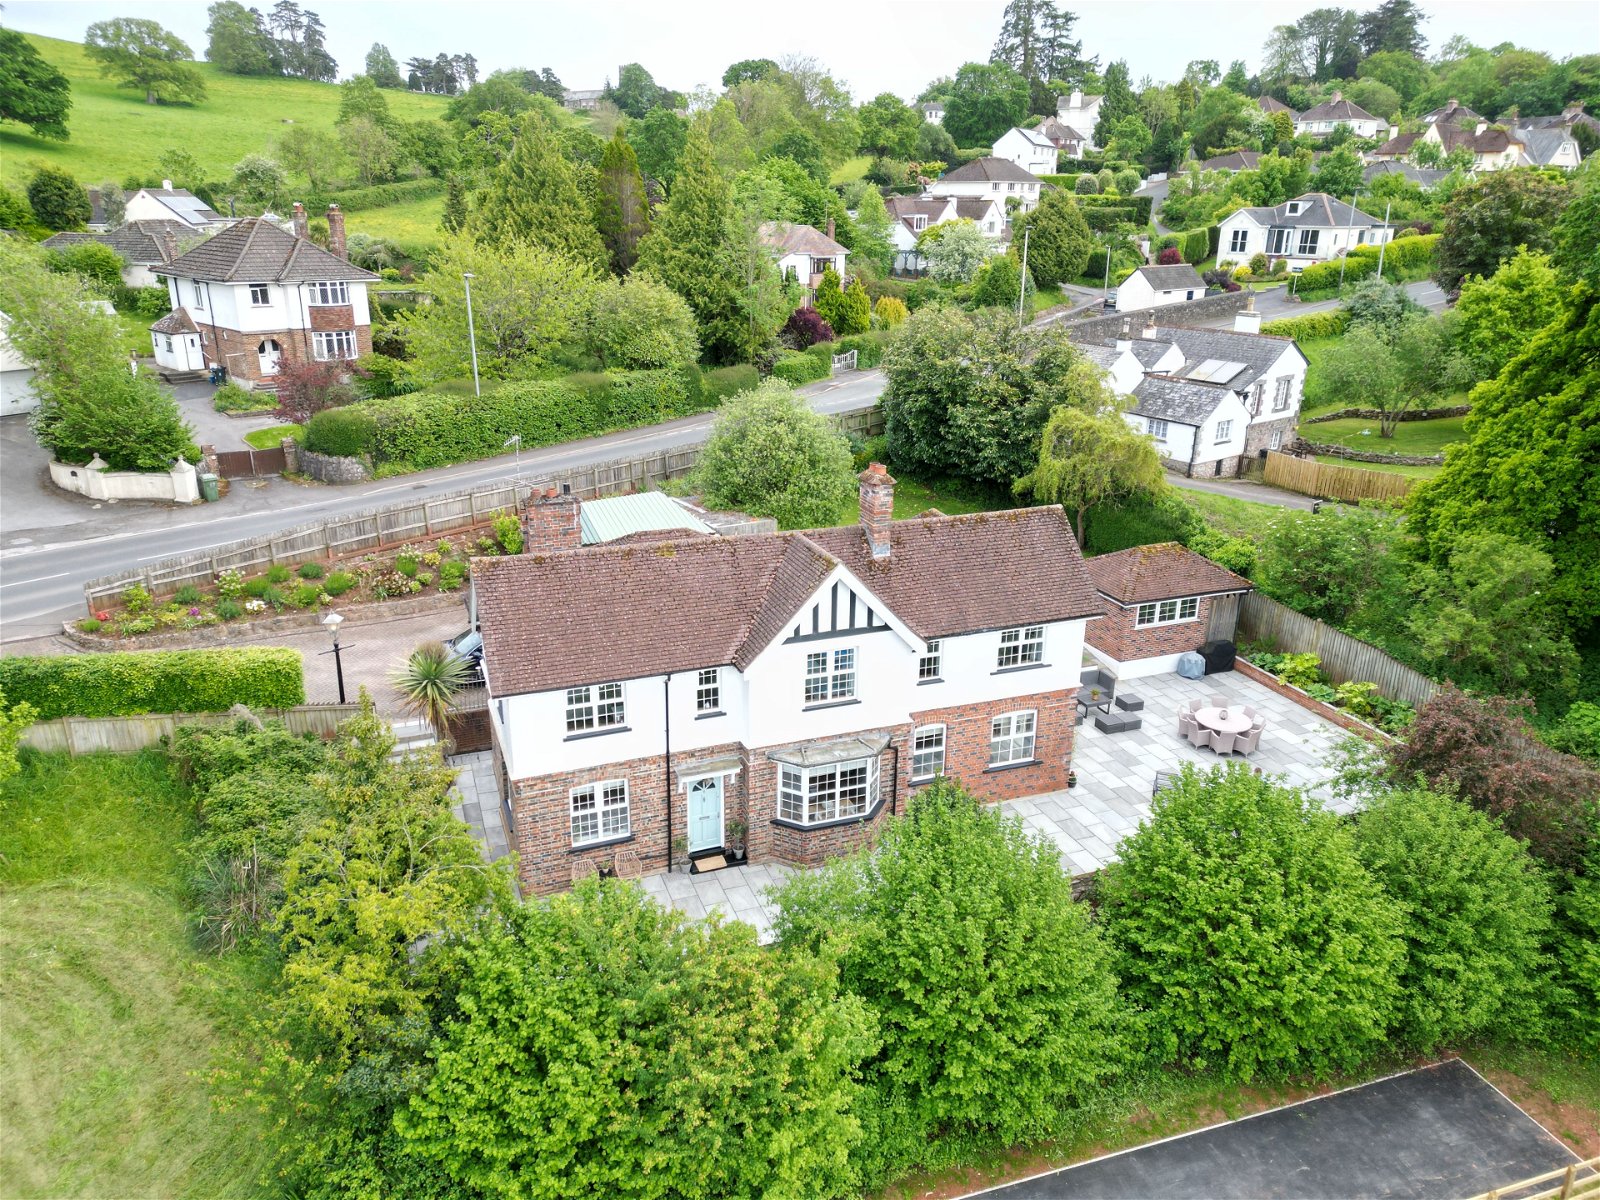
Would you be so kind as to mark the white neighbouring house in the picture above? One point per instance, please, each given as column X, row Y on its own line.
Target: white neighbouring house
column 804, row 252
column 1067, row 140
column 1324, row 118
column 1028, row 149
column 143, row 246
column 167, row 203
column 654, row 701
column 994, row 180
column 1153, row 287
column 933, row 112
column 256, row 295
column 1081, row 113
column 1309, row 229
column 912, row 216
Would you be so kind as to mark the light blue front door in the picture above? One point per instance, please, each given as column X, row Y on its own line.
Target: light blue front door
column 705, row 814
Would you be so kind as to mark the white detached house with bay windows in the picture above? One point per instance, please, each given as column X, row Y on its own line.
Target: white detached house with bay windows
column 659, row 700
column 256, row 296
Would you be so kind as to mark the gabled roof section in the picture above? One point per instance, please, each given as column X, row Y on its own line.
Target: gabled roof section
column 1161, row 571
column 188, row 207
column 1256, row 352
column 176, row 321
column 1032, row 136
column 1453, row 112
column 256, row 250
column 1234, row 160
column 1059, row 132
column 974, row 208
column 1317, row 210
column 1172, row 277
column 799, row 239
column 989, row 170
column 1336, row 109
column 1170, row 399
column 1271, row 104
column 136, row 241
column 1425, row 177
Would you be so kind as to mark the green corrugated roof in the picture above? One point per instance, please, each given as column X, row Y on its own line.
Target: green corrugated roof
column 617, row 516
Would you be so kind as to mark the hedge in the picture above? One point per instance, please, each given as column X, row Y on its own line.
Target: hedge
column 798, row 368
column 378, row 195
column 868, row 347
column 348, row 432
column 1402, row 256
column 154, row 681
column 1139, row 204
column 1213, row 240
column 1102, row 218
column 1196, row 246
column 716, row 386
column 1312, row 325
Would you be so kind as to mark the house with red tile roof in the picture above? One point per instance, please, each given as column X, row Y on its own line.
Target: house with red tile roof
column 1161, row 601
column 655, row 704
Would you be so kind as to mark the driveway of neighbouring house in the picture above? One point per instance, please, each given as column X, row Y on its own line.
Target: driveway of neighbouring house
column 1440, row 1131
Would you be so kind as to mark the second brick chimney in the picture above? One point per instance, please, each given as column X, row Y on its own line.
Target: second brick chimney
column 552, row 523
column 877, row 508
column 302, row 227
column 169, row 245
column 336, row 231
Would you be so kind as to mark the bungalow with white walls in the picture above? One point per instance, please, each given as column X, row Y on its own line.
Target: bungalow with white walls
column 1160, row 601
column 1153, row 287
column 803, row 253
column 16, row 377
column 912, row 217
column 1331, row 114
column 655, row 704
column 1309, row 229
column 1028, row 149
column 933, row 112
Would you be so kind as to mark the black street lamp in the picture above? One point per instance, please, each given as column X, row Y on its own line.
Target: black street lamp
column 333, row 620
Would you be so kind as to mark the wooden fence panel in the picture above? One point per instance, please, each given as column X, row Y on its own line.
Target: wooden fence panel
column 1262, row 619
column 1223, row 623
column 1312, row 478
column 129, row 735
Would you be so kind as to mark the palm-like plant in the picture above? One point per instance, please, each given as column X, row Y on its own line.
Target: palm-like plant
column 431, row 680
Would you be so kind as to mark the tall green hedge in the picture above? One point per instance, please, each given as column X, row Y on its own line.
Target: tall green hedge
column 868, row 347
column 1311, row 325
column 154, row 681
column 1196, row 246
column 716, row 386
column 1103, row 217
column 1403, row 256
column 378, row 195
column 797, row 368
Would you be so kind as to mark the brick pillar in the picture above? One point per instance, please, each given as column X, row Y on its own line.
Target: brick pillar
column 208, row 459
column 336, row 231
column 552, row 523
column 291, row 456
column 877, row 508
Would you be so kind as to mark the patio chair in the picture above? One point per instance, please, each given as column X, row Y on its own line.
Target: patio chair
column 1219, row 701
column 1223, row 743
column 628, row 865
column 1196, row 704
column 1199, row 737
column 1249, row 743
column 1186, row 722
column 1249, row 710
column 583, row 868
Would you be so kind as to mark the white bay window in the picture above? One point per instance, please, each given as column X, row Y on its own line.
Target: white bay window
column 831, row 792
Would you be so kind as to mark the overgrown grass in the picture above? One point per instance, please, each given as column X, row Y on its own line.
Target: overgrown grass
column 268, row 439
column 949, row 496
column 412, row 222
column 850, row 170
column 1387, row 468
column 116, row 134
column 1410, row 437
column 1230, row 515
column 112, row 1017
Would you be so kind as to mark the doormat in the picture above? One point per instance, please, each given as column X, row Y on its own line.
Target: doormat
column 711, row 862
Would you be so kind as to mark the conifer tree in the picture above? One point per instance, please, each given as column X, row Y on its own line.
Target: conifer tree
column 855, row 310
column 454, row 218
column 830, row 300
column 622, row 213
column 533, row 197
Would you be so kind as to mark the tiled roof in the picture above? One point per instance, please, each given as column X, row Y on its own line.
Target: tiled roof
column 1454, row 112
column 989, row 170
column 1424, row 176
column 136, row 241
column 973, row 208
column 1171, row 277
column 257, row 250
column 1032, row 136
column 1234, row 160
column 1180, row 400
column 1318, row 211
column 176, row 321
column 799, row 239
column 1541, row 144
column 1401, row 143
column 1337, row 109
column 1271, row 104
column 1257, row 351
column 626, row 611
column 1163, row 571
column 1059, row 132
column 908, row 206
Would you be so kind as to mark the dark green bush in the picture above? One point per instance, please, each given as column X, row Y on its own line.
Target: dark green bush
column 349, row 432
column 1313, row 325
column 868, row 347
column 338, row 583
column 1196, row 246
column 278, row 573
column 138, row 682
column 230, row 610
column 378, row 195
column 188, row 594
column 256, row 588
column 311, row 570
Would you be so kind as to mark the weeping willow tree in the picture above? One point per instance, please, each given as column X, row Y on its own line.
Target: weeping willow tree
column 1088, row 458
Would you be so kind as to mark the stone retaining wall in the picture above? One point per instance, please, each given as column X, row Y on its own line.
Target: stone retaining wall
column 1372, row 414
column 1337, row 450
column 333, row 468
column 1099, row 328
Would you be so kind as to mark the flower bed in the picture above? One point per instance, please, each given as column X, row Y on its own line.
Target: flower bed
column 415, row 570
column 1360, row 700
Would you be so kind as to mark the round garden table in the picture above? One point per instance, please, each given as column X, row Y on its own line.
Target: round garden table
column 1222, row 720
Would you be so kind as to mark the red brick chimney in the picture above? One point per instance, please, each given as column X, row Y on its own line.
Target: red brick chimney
column 830, row 229
column 302, row 227
column 169, row 245
column 552, row 523
column 877, row 508
column 336, row 231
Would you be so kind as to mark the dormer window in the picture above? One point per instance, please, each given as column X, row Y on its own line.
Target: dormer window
column 1294, row 208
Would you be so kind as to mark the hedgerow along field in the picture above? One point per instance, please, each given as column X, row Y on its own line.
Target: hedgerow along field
column 116, row 134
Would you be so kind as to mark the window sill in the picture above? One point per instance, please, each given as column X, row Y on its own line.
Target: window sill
column 1012, row 766
column 926, row 682
column 706, row 716
column 1014, row 670
column 828, row 704
column 601, row 845
column 802, row 827
column 594, row 733
column 1167, row 624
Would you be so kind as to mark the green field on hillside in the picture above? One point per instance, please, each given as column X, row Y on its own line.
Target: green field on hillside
column 116, row 134
column 415, row 220
column 1410, row 437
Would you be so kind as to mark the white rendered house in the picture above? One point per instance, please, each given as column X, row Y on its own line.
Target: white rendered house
column 1153, row 287
column 1324, row 118
column 993, row 179
column 1081, row 113
column 1309, row 229
column 1028, row 149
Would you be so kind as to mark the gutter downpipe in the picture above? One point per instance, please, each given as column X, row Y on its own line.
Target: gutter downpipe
column 666, row 759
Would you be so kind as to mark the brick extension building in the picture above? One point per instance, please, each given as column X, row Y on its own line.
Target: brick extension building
column 1162, row 600
column 256, row 295
column 646, row 697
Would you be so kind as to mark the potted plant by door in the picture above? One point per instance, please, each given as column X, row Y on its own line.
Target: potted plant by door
column 1072, row 779
column 735, row 840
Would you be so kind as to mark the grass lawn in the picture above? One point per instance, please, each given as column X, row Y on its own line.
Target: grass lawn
column 1230, row 515
column 1410, row 437
column 1387, row 468
column 116, row 134
column 112, row 1017
column 415, row 221
column 949, row 496
column 268, row 439
column 850, row 170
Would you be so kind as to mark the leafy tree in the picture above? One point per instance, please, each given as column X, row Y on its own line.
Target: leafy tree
column 804, row 328
column 94, row 261
column 1527, row 465
column 1339, row 173
column 302, row 42
column 141, row 54
column 382, row 68
column 999, row 283
column 455, row 215
column 855, row 313
column 1058, row 238
column 801, row 147
column 429, row 144
column 359, row 97
column 1395, row 27
column 1407, row 74
column 238, row 41
column 889, row 127
column 749, row 70
column 829, row 301
column 182, row 167
column 307, row 388
column 1129, row 140
column 313, row 153
column 873, row 225
column 503, row 92
column 14, row 722
column 58, row 200
column 934, row 143
column 991, row 988
column 636, row 92
column 1324, row 44
column 258, row 182
column 622, row 212
column 1379, row 305
column 1490, row 217
column 1393, row 371
column 520, row 1107
column 658, row 140
column 533, row 197
column 1497, row 315
column 1335, row 565
column 1475, row 911
column 1575, row 996
column 1377, row 98
column 89, row 402
column 1119, row 102
column 1247, row 929
column 692, row 248
column 1088, row 458
column 1485, row 752
column 1573, row 250
column 954, row 250
column 639, row 324
column 889, row 312
column 32, row 92
column 771, row 454
column 985, row 100
column 527, row 302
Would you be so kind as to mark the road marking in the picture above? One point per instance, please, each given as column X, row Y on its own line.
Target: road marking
column 41, row 579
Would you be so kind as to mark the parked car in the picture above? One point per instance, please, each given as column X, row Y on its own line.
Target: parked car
column 468, row 644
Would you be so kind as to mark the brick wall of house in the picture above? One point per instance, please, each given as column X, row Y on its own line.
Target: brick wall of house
column 966, row 744
column 239, row 354
column 1114, row 634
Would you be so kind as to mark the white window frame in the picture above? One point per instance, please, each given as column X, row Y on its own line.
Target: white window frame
column 1224, row 431
column 1279, row 241
column 605, row 815
column 1013, row 737
column 830, row 676
column 199, row 295
column 1238, row 239
column 1306, row 244
column 1167, row 612
column 265, row 291
column 1280, row 395
column 927, row 753
column 1276, row 440
column 829, row 792
column 595, row 708
column 1258, row 393
column 708, row 690
column 336, row 345
column 327, row 293
column 1020, row 647
column 1156, row 427
column 929, row 664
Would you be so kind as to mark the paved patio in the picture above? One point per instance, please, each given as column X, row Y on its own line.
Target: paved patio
column 736, row 892
column 478, row 802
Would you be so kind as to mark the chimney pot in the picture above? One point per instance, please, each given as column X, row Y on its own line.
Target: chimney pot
column 169, row 245
column 1337, row 96
column 877, row 508
column 166, row 184
column 302, row 227
column 336, row 244
column 552, row 523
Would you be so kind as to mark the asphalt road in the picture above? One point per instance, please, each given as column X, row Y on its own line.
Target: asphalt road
column 54, row 543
